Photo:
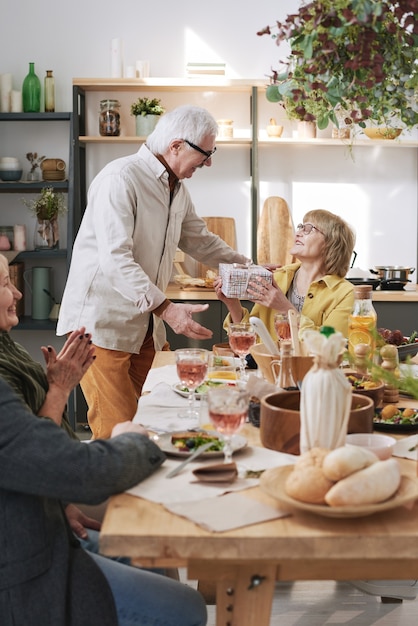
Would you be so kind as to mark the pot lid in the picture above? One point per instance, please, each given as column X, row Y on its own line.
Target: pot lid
column 357, row 272
column 393, row 267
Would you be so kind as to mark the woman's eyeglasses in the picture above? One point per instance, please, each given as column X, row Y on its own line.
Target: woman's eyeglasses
column 208, row 153
column 306, row 229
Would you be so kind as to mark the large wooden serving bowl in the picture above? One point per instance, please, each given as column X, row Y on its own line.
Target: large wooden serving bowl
column 280, row 419
column 300, row 364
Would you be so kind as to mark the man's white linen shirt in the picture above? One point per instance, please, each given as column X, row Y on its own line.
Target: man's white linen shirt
column 123, row 254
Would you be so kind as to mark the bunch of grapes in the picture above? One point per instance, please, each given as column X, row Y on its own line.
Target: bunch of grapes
column 395, row 337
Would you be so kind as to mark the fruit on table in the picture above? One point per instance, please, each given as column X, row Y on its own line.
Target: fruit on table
column 396, row 337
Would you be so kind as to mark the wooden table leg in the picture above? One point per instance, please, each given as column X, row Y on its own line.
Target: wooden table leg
column 244, row 592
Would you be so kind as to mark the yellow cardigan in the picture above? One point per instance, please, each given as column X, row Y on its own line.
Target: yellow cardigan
column 328, row 302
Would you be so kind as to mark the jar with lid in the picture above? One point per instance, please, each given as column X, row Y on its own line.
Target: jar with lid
column 362, row 322
column 225, row 129
column 109, row 120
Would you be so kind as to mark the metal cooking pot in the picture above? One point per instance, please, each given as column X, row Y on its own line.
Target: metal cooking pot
column 393, row 272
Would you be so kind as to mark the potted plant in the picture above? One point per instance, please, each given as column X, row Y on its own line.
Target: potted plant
column 47, row 207
column 355, row 56
column 147, row 112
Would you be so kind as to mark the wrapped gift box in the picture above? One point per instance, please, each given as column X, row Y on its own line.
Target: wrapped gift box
column 235, row 278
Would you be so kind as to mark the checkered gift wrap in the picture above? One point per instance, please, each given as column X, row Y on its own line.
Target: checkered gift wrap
column 235, row 278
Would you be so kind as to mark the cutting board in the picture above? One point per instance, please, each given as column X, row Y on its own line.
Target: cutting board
column 225, row 228
column 275, row 233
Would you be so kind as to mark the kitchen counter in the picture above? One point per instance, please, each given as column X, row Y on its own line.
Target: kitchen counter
column 395, row 310
column 174, row 292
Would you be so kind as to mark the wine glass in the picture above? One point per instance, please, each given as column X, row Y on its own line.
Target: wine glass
column 228, row 410
column 282, row 326
column 192, row 366
column 241, row 337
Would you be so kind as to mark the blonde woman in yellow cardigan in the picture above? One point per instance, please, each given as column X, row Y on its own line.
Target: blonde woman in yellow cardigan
column 314, row 286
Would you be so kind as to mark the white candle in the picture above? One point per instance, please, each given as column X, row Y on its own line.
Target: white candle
column 130, row 71
column 142, row 69
column 19, row 237
column 116, row 58
column 5, row 89
column 16, row 101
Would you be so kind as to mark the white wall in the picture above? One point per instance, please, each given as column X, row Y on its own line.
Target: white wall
column 376, row 192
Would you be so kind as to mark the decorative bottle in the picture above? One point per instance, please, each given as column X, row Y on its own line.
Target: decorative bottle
column 49, row 90
column 362, row 323
column 31, row 92
column 285, row 379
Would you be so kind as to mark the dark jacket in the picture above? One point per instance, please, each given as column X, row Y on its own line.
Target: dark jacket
column 45, row 577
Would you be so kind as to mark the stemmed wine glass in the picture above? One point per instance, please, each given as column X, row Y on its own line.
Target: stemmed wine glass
column 192, row 366
column 241, row 337
column 228, row 410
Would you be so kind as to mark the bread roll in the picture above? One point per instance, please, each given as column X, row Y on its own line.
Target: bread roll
column 371, row 485
column 343, row 461
column 307, row 482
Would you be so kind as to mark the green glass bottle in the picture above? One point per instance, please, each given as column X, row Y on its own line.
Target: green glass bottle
column 31, row 92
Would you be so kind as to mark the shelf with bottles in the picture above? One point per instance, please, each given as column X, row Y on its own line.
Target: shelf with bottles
column 35, row 117
column 24, row 186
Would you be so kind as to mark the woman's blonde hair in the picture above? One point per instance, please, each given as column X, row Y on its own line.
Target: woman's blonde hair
column 339, row 240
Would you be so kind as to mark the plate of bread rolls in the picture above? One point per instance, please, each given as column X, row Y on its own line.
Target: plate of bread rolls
column 346, row 482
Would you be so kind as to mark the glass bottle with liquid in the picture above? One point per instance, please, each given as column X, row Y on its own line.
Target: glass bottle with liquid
column 31, row 92
column 49, row 92
column 362, row 322
column 285, row 379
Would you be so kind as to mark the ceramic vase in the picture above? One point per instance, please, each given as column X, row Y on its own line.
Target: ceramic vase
column 306, row 130
column 46, row 235
column 145, row 124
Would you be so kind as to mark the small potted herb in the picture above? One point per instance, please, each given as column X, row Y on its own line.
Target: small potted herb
column 147, row 112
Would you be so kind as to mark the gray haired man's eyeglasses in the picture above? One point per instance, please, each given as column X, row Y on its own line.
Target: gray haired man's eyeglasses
column 207, row 153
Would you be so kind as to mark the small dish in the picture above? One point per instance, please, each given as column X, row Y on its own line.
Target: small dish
column 407, row 349
column 164, row 442
column 272, row 482
column 381, row 445
column 394, row 427
column 203, row 388
column 382, row 132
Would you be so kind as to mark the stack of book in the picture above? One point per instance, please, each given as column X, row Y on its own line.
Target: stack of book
column 205, row 68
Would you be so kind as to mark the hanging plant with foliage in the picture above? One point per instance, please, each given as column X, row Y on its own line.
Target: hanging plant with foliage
column 358, row 56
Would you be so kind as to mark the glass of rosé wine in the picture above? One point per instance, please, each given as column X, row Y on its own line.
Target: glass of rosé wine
column 282, row 326
column 192, row 367
column 228, row 410
column 241, row 337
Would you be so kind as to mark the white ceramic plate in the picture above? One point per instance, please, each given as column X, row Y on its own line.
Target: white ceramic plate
column 164, row 442
column 273, row 480
column 179, row 388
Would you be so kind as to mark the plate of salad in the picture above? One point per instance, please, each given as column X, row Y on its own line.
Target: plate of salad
column 396, row 419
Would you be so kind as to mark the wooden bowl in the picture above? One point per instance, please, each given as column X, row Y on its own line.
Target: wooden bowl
column 382, row 132
column 375, row 393
column 300, row 364
column 280, row 420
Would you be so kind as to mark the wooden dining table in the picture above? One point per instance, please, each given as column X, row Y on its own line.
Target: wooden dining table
column 245, row 563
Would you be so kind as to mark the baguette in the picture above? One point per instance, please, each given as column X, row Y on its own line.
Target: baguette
column 371, row 485
column 343, row 461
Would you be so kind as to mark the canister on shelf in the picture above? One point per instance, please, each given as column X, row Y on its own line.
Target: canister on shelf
column 109, row 121
column 6, row 238
column 225, row 129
